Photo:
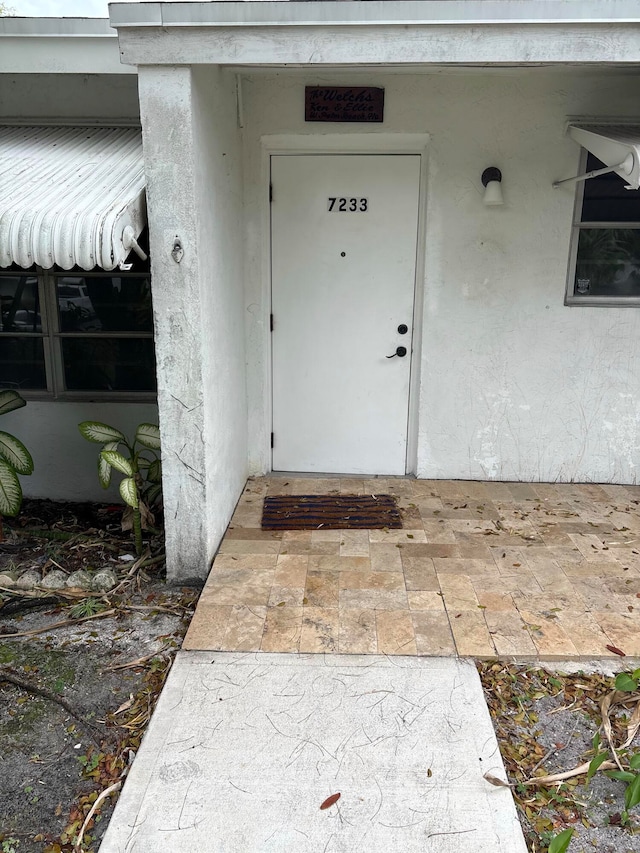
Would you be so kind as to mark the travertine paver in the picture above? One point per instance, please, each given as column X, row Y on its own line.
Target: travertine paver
column 480, row 569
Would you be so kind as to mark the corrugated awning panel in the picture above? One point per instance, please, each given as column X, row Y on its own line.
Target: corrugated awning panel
column 614, row 145
column 67, row 194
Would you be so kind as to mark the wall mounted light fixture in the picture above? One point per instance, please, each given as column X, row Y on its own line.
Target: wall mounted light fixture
column 491, row 181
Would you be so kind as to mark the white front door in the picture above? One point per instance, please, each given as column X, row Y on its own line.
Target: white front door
column 344, row 234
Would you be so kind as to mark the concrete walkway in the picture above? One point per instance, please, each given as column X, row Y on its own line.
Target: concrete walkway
column 252, row 734
column 243, row 749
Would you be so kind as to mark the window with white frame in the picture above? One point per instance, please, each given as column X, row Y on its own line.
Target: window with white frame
column 605, row 259
column 76, row 333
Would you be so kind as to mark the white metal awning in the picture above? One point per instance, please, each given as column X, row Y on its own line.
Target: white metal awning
column 617, row 146
column 70, row 196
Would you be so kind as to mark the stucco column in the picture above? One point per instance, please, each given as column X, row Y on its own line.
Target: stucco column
column 166, row 110
column 193, row 172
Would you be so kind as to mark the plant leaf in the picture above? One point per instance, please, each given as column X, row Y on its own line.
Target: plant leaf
column 625, row 682
column 595, row 763
column 149, row 436
column 620, row 775
column 10, row 400
column 104, row 468
column 154, row 493
column 10, row 490
column 154, row 474
column 329, row 801
column 100, row 433
column 129, row 492
column 632, row 794
column 634, row 763
column 16, row 454
column 118, row 461
column 561, row 841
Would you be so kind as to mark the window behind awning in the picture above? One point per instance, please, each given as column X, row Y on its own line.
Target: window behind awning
column 617, row 146
column 70, row 196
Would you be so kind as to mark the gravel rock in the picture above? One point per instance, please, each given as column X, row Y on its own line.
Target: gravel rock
column 7, row 581
column 80, row 579
column 56, row 579
column 104, row 580
column 28, row 580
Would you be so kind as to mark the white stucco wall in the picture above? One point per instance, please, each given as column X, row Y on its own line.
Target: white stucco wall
column 193, row 172
column 66, row 464
column 219, row 199
column 69, row 96
column 514, row 385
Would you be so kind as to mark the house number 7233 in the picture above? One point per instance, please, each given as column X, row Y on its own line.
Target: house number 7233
column 348, row 205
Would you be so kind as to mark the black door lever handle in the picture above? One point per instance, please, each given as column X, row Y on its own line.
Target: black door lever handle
column 400, row 351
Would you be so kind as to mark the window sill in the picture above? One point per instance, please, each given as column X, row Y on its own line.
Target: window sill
column 602, row 302
column 90, row 397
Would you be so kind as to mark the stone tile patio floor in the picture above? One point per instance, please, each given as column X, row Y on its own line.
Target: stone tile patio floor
column 482, row 569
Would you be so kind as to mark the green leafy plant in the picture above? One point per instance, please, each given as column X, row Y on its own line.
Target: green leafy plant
column 88, row 607
column 627, row 683
column 138, row 460
column 561, row 841
column 14, row 459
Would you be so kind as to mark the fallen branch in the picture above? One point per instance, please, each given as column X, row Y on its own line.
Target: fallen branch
column 31, row 602
column 568, row 774
column 605, row 706
column 34, row 690
column 106, row 793
column 140, row 563
column 178, row 610
column 632, row 726
column 64, row 624
column 137, row 662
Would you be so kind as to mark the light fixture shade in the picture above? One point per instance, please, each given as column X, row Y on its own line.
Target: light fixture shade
column 493, row 194
column 491, row 180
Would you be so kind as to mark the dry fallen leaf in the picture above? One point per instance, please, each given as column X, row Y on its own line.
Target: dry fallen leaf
column 493, row 780
column 125, row 705
column 330, row 801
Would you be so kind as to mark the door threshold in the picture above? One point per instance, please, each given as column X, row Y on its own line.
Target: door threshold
column 315, row 475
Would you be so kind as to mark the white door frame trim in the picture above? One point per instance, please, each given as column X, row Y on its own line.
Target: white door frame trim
column 347, row 143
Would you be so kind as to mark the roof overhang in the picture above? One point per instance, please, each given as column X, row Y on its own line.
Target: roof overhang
column 59, row 46
column 412, row 32
column 70, row 196
column 617, row 146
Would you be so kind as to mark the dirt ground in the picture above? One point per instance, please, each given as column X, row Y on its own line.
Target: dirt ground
column 75, row 699
column 546, row 722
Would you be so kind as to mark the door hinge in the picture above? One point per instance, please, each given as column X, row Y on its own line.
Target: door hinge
column 272, row 440
column 270, row 192
column 271, row 322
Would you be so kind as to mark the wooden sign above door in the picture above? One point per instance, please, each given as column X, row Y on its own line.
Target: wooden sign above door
column 343, row 103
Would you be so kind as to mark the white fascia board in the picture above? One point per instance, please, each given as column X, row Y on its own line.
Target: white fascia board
column 379, row 12
column 56, row 27
column 412, row 32
column 60, row 46
column 383, row 45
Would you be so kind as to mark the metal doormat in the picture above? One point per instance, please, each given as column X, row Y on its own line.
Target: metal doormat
column 330, row 512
